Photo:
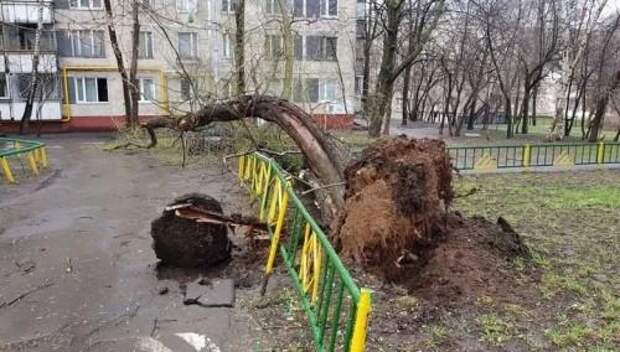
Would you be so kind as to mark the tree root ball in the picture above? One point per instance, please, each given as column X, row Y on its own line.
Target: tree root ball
column 186, row 243
column 395, row 205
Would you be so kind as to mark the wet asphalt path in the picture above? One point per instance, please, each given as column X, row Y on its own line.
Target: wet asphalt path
column 77, row 272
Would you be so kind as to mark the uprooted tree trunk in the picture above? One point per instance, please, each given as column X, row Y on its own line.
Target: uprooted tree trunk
column 326, row 159
column 393, row 218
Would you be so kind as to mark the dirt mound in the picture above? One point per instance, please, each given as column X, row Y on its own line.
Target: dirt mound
column 396, row 224
column 186, row 243
column 473, row 260
column 395, row 205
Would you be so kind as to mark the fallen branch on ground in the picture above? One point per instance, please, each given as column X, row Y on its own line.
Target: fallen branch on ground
column 25, row 294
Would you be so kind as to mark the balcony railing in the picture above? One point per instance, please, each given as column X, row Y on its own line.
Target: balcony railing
column 25, row 11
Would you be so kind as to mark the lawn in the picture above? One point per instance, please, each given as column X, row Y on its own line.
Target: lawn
column 571, row 221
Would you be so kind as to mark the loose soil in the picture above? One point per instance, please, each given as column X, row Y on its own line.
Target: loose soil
column 188, row 243
column 395, row 202
column 396, row 225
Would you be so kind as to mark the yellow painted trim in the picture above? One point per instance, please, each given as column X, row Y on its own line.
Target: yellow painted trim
column 44, row 157
column 33, row 163
column 163, row 94
column 600, row 155
column 274, row 201
column 265, row 192
column 527, row 152
column 6, row 170
column 67, row 112
column 358, row 341
column 108, row 68
column 564, row 159
column 275, row 240
column 66, row 108
column 240, row 164
column 486, row 163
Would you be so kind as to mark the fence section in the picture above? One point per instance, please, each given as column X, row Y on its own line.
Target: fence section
column 488, row 158
column 336, row 308
column 34, row 153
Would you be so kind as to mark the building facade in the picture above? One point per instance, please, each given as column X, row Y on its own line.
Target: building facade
column 186, row 57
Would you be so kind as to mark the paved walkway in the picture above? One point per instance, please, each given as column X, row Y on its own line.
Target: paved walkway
column 77, row 272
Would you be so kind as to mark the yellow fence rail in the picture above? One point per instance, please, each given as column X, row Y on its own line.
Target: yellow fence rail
column 35, row 154
column 337, row 310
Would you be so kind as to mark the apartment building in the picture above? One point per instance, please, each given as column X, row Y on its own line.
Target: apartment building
column 186, row 57
column 18, row 22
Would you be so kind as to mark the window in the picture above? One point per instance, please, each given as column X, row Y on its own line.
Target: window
column 359, row 84
column 298, row 8
column 227, row 49
column 82, row 43
column 306, row 90
column 273, row 6
column 273, row 46
column 328, row 90
column 228, row 6
column 147, row 90
column 86, row 4
column 315, row 8
column 188, row 45
column 187, row 5
column 298, row 47
column 329, row 8
column 4, row 85
column 313, row 90
column 145, row 49
column 321, row 48
column 187, row 92
column 87, row 90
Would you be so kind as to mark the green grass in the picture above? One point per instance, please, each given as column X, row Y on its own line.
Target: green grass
column 571, row 221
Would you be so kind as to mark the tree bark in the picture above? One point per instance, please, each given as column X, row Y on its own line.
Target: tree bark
column 118, row 55
column 405, row 104
column 133, row 70
column 240, row 46
column 596, row 125
column 34, row 81
column 525, row 107
column 388, row 73
column 534, row 104
column 325, row 158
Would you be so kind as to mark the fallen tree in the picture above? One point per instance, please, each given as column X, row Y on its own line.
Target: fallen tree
column 392, row 204
column 325, row 158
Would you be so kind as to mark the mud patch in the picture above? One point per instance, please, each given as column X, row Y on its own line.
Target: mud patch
column 474, row 260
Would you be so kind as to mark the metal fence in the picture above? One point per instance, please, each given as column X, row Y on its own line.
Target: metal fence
column 336, row 308
column 488, row 158
column 34, row 153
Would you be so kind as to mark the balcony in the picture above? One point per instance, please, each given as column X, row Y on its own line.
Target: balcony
column 14, row 11
column 22, row 38
column 22, row 63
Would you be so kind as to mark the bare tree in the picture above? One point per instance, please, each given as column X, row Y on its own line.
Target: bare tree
column 240, row 46
column 133, row 69
column 34, row 80
column 120, row 63
column 379, row 106
column 608, row 88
